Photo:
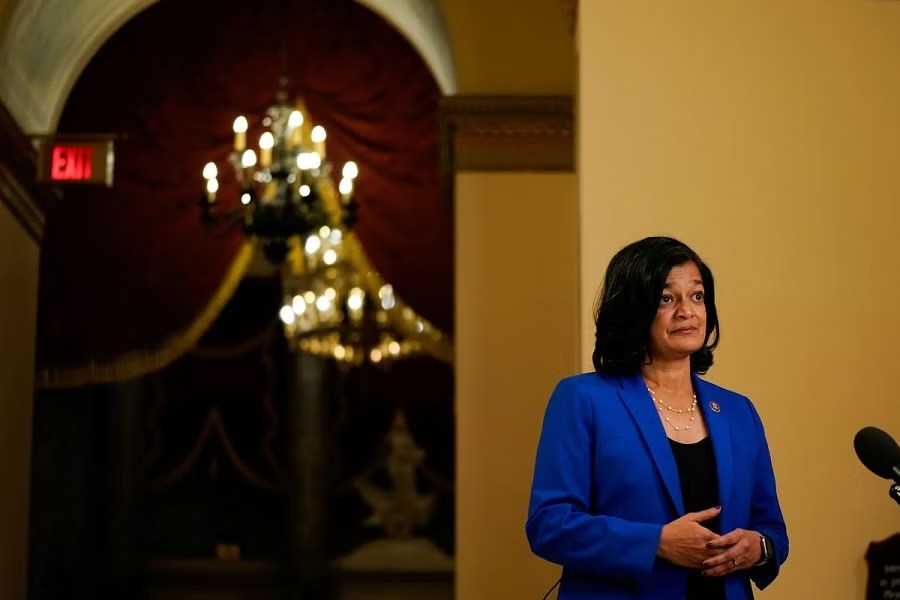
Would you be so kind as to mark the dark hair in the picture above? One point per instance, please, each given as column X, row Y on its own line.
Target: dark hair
column 628, row 302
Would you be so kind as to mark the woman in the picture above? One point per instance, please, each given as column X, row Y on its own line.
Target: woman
column 650, row 482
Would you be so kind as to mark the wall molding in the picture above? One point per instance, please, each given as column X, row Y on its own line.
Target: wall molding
column 505, row 133
column 570, row 10
column 18, row 190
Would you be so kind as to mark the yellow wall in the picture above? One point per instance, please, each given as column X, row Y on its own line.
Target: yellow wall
column 767, row 135
column 511, row 46
column 18, row 315
column 516, row 335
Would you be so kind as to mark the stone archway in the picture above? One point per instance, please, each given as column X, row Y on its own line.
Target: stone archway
column 46, row 45
column 424, row 27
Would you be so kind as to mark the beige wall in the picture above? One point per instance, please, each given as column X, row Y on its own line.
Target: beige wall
column 18, row 315
column 767, row 135
column 511, row 46
column 516, row 335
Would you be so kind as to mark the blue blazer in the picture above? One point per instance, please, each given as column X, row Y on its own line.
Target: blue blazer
column 605, row 482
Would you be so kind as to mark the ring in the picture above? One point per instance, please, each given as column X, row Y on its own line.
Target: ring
column 734, row 561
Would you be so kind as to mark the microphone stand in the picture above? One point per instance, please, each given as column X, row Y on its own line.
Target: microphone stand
column 895, row 487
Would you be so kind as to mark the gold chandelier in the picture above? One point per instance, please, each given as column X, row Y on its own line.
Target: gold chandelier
column 336, row 305
column 280, row 185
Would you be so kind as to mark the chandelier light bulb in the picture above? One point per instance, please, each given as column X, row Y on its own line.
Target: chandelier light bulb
column 313, row 243
column 336, row 236
column 394, row 348
column 298, row 305
column 324, row 231
column 355, row 299
column 248, row 159
column 309, row 297
column 323, row 303
column 294, row 132
column 266, row 143
column 350, row 170
column 330, row 293
column 318, row 134
column 245, row 198
column 375, row 355
column 212, row 185
column 330, row 257
column 210, row 171
column 304, row 190
column 309, row 160
column 345, row 187
column 240, row 134
column 287, row 315
column 339, row 352
column 386, row 293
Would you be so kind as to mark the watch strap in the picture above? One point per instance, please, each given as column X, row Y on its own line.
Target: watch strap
column 765, row 555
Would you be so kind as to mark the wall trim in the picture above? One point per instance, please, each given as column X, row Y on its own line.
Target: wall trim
column 570, row 10
column 505, row 133
column 18, row 190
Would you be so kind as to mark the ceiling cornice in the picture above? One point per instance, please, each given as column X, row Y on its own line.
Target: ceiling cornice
column 505, row 133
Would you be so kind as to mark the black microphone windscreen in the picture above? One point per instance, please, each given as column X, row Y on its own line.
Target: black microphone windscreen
column 877, row 450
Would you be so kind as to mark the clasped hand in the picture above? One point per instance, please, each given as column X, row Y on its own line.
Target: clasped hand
column 687, row 543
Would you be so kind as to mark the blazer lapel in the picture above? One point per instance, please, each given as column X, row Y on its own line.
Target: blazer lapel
column 637, row 399
column 714, row 408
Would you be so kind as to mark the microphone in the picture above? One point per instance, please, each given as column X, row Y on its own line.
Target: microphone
column 878, row 451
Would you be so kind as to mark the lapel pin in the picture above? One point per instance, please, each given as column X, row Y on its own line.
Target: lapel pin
column 715, row 407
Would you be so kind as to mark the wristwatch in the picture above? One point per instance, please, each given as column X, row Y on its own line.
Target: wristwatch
column 766, row 547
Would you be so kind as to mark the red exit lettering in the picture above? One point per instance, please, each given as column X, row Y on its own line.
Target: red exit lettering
column 71, row 163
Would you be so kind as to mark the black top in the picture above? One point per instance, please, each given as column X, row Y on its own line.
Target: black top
column 699, row 491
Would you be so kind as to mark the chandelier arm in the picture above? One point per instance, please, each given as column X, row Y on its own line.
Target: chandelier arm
column 221, row 226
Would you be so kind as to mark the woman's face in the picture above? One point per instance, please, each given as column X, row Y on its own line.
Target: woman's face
column 679, row 328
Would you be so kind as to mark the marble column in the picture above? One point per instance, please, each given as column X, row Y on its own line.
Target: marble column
column 125, row 416
column 311, row 390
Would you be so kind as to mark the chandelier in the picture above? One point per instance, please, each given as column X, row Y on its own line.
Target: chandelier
column 280, row 186
column 336, row 305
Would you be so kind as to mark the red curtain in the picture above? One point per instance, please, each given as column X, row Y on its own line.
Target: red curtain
column 124, row 269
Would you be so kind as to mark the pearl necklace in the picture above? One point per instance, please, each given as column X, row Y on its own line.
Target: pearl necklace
column 679, row 411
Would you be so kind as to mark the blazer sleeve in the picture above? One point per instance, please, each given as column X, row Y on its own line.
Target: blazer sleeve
column 561, row 527
column 765, row 511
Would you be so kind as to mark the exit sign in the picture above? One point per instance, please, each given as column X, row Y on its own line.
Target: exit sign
column 66, row 160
